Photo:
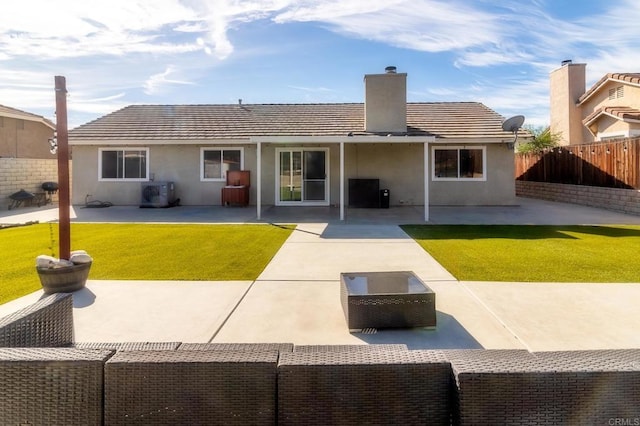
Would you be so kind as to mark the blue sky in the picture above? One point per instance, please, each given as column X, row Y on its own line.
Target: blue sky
column 120, row 52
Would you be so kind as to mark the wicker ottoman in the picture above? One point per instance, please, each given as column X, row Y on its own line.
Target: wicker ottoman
column 386, row 300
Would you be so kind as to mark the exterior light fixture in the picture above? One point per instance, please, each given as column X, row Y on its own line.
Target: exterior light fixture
column 53, row 144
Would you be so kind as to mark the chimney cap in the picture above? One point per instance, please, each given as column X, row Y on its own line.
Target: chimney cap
column 567, row 62
column 390, row 69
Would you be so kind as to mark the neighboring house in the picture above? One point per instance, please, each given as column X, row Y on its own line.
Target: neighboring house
column 24, row 135
column 610, row 109
column 450, row 153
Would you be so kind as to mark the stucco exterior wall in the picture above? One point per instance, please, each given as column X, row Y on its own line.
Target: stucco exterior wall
column 179, row 164
column 608, row 126
column 600, row 99
column 400, row 168
column 385, row 102
column 24, row 139
column 498, row 189
column 567, row 84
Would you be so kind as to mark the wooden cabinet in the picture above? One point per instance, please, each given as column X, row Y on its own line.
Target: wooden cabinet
column 236, row 192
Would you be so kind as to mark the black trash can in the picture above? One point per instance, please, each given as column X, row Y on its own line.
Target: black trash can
column 384, row 198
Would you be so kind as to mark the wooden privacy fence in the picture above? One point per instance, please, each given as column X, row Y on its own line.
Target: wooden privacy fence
column 612, row 164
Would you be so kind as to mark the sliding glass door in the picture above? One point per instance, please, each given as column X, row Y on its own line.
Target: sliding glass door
column 302, row 176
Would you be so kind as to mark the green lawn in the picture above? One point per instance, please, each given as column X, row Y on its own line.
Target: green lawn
column 534, row 253
column 143, row 252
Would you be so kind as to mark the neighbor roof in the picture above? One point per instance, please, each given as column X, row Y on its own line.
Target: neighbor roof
column 630, row 78
column 6, row 111
column 216, row 122
column 619, row 112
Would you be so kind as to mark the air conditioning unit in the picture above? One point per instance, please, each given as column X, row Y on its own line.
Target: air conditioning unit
column 157, row 194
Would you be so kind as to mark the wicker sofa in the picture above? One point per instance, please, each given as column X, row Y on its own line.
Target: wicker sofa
column 47, row 378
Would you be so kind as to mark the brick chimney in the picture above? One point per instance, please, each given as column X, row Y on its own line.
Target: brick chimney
column 385, row 102
column 567, row 84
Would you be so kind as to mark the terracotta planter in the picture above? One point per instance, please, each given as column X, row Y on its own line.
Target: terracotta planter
column 64, row 280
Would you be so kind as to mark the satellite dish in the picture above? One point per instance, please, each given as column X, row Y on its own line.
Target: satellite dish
column 512, row 125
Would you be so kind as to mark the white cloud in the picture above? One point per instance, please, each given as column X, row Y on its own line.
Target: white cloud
column 431, row 26
column 75, row 28
column 312, row 89
column 106, row 49
column 157, row 82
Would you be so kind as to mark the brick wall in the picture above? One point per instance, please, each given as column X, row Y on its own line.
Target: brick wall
column 620, row 200
column 27, row 174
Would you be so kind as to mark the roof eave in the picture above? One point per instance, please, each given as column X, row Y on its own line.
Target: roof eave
column 596, row 87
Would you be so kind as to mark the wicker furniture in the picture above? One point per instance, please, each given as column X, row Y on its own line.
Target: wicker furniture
column 243, row 347
column 268, row 383
column 355, row 387
column 236, row 191
column 350, row 348
column 386, row 300
column 129, row 346
column 546, row 389
column 46, row 323
column 51, row 386
column 191, row 388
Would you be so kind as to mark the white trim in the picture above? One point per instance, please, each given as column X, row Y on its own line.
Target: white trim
column 458, row 148
column 147, row 163
column 261, row 139
column 596, row 88
column 629, row 133
column 341, row 180
column 259, row 182
column 425, row 181
column 327, row 192
column 222, row 149
column 186, row 142
column 338, row 139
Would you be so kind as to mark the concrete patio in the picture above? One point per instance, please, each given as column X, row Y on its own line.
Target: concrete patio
column 296, row 298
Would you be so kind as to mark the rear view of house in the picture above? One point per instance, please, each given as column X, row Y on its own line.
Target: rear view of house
column 449, row 153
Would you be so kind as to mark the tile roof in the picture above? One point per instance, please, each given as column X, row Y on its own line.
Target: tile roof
column 633, row 78
column 620, row 112
column 6, row 111
column 211, row 122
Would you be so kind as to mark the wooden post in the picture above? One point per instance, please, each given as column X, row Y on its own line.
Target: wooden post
column 62, row 135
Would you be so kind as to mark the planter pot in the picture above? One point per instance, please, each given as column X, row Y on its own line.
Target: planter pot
column 64, row 280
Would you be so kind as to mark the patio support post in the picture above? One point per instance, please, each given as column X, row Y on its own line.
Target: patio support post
column 62, row 136
column 341, row 180
column 426, row 181
column 259, row 180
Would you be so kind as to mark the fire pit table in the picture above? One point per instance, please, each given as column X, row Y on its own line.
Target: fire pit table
column 386, row 300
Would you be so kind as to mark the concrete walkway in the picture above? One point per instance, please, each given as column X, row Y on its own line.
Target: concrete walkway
column 296, row 298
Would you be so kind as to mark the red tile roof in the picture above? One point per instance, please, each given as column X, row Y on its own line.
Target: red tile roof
column 633, row 78
column 620, row 112
column 217, row 122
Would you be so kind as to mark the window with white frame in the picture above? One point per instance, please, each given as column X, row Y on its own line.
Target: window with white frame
column 123, row 164
column 216, row 162
column 459, row 163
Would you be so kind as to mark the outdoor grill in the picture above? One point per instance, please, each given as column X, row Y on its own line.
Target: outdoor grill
column 50, row 187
